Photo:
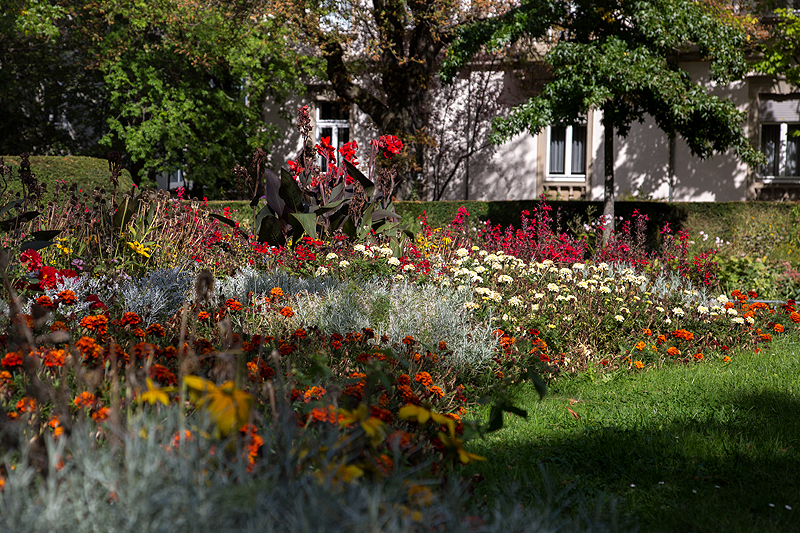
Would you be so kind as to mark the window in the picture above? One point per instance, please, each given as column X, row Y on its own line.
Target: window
column 333, row 120
column 566, row 153
column 780, row 143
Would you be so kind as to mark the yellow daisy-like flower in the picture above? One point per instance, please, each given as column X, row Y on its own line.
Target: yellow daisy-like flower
column 422, row 415
column 153, row 394
column 228, row 407
column 139, row 248
column 457, row 445
column 375, row 428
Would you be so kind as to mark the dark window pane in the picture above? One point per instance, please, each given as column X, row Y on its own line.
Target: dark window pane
column 578, row 150
column 793, row 150
column 333, row 111
column 344, row 136
column 770, row 142
column 558, row 149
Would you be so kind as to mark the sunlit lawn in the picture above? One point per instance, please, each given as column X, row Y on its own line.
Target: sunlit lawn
column 707, row 447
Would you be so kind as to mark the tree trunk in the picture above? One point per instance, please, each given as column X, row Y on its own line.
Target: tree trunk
column 608, row 189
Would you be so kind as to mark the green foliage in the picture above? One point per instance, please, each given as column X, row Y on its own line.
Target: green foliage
column 87, row 173
column 622, row 60
column 186, row 85
column 779, row 53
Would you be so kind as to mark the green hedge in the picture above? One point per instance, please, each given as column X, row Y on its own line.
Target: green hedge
column 86, row 172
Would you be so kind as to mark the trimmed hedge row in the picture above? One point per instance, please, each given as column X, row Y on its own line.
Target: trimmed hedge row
column 86, row 172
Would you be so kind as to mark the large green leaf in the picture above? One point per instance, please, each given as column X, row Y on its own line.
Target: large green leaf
column 13, row 223
column 308, row 221
column 290, row 192
column 11, row 205
column 352, row 170
column 46, row 235
column 224, row 220
column 34, row 245
column 124, row 213
column 269, row 231
column 272, row 192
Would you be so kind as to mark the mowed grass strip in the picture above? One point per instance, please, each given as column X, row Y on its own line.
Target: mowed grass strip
column 700, row 447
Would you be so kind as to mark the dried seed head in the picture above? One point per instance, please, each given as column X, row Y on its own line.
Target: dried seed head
column 204, row 286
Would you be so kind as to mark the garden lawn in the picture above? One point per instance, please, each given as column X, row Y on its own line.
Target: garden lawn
column 697, row 447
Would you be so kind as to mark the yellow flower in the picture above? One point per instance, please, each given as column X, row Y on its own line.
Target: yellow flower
column 375, row 428
column 422, row 415
column 153, row 394
column 139, row 248
column 456, row 444
column 228, row 407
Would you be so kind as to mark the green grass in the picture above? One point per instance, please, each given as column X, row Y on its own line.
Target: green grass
column 708, row 447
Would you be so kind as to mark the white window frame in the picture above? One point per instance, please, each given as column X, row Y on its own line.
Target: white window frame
column 781, row 155
column 568, row 175
column 335, row 126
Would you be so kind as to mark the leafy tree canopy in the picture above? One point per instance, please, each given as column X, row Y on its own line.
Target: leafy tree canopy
column 622, row 57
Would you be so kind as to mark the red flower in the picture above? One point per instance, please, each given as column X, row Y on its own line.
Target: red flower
column 32, row 258
column 12, row 359
column 348, row 151
column 390, row 145
column 325, row 149
column 232, row 304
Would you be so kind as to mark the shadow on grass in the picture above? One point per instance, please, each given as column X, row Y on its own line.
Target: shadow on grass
column 733, row 467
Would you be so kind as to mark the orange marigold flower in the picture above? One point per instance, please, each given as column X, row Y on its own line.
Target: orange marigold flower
column 26, row 404
column 726, row 359
column 408, row 339
column 638, row 364
column 287, row 312
column 698, row 357
column 729, row 305
column 778, row 328
column 314, row 393
column 84, row 399
column 156, row 330
column 130, row 319
column 232, row 304
column 285, row 348
column 299, row 334
column 45, row 301
column 641, row 345
column 442, row 346
column 203, row 315
column 403, row 379
column 766, row 337
column 144, row 350
column 648, row 332
column 100, row 415
column 673, row 351
column 381, row 414
column 424, row 378
column 5, row 377
column 98, row 323
column 660, row 339
column 203, row 346
column 752, row 294
column 163, row 374
column 795, row 316
column 436, row 391
column 11, row 360
column 138, row 332
column 276, row 291
column 67, row 297
column 58, row 325
column 54, row 358
column 736, row 294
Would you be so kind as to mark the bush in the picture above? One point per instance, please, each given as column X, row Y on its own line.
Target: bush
column 85, row 172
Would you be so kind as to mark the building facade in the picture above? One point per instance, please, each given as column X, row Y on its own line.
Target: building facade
column 567, row 162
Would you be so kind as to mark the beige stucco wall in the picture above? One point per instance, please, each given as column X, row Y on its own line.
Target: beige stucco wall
column 641, row 158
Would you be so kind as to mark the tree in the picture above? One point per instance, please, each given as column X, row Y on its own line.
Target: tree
column 187, row 81
column 175, row 85
column 621, row 57
column 384, row 56
column 50, row 103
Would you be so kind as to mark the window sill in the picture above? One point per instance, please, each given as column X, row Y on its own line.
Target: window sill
column 572, row 178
